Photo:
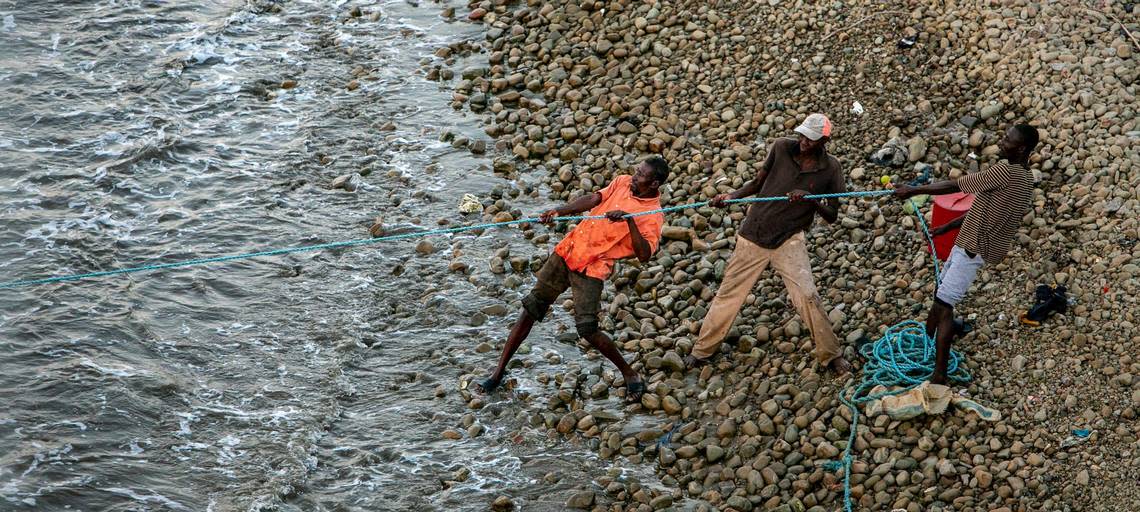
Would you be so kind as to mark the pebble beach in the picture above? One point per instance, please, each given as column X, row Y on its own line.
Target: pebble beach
column 578, row 92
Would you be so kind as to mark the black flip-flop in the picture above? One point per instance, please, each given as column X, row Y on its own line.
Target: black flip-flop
column 962, row 327
column 634, row 390
column 487, row 385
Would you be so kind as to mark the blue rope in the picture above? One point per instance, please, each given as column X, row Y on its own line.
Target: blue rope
column 929, row 241
column 417, row 234
column 902, row 358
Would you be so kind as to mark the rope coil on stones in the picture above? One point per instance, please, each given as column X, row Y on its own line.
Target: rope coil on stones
column 902, row 358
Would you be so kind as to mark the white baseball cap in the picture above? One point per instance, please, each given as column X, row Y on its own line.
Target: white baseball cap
column 815, row 127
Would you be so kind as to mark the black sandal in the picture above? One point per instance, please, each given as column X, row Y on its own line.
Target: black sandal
column 962, row 327
column 487, row 385
column 634, row 390
column 692, row 361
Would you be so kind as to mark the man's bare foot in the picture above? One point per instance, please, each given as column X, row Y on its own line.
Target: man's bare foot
column 487, row 385
column 692, row 361
column 840, row 366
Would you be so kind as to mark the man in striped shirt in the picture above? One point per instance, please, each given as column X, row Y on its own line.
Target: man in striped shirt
column 1002, row 197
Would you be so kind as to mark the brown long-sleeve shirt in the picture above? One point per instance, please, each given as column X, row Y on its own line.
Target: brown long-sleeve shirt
column 770, row 224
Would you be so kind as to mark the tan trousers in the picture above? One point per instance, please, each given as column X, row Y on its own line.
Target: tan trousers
column 790, row 260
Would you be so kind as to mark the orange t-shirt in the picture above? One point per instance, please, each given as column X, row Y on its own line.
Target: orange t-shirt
column 592, row 246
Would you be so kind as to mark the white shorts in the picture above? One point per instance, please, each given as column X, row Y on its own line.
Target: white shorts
column 957, row 275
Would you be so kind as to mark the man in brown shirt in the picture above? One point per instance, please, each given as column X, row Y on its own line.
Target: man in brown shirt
column 1003, row 193
column 773, row 233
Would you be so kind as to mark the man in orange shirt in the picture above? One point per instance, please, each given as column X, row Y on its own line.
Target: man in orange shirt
column 585, row 258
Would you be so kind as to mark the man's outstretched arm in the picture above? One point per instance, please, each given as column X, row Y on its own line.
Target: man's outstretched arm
column 579, row 205
column 749, row 189
column 934, row 189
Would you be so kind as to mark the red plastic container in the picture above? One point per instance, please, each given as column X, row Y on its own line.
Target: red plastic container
column 947, row 208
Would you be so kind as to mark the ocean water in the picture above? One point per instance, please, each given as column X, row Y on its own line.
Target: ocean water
column 137, row 132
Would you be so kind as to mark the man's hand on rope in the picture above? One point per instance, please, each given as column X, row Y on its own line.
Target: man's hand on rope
column 797, row 195
column 548, row 216
column 718, row 201
column 905, row 191
column 616, row 215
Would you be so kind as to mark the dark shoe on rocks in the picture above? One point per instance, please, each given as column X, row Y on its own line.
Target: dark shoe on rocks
column 487, row 385
column 634, row 390
column 962, row 327
column 1049, row 301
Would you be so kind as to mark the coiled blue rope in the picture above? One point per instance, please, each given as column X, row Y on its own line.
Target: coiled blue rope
column 902, row 358
column 417, row 234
